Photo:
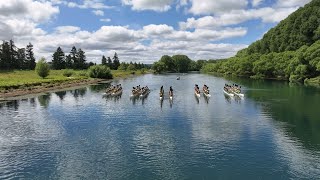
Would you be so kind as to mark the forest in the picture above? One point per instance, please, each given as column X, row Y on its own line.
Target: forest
column 289, row 51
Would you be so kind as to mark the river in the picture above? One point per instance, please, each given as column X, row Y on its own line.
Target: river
column 272, row 133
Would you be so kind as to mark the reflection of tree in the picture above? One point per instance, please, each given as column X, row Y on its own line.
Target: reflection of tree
column 13, row 104
column 99, row 87
column 296, row 105
column 1, row 105
column 44, row 100
column 61, row 94
column 32, row 102
column 79, row 92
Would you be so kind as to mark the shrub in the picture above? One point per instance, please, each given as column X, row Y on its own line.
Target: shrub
column 295, row 78
column 83, row 73
column 67, row 73
column 100, row 71
column 42, row 68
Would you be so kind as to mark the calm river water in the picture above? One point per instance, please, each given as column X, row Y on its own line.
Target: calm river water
column 273, row 133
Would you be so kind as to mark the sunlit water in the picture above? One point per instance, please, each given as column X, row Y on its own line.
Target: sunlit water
column 273, row 133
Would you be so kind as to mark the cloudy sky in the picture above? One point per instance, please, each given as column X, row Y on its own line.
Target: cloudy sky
column 141, row 30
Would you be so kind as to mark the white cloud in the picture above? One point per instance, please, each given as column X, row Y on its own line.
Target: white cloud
column 67, row 29
column 88, row 4
column 256, row 3
column 105, row 20
column 200, row 7
column 267, row 15
column 162, row 29
column 155, row 5
column 291, row 3
column 98, row 12
column 36, row 11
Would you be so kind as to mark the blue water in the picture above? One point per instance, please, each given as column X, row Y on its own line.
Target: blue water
column 80, row 134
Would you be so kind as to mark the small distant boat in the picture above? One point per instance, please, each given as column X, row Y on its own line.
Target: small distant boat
column 229, row 94
column 178, row 78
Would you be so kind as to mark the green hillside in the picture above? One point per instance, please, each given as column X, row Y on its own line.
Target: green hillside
column 289, row 51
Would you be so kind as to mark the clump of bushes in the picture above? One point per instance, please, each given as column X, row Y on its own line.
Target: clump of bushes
column 83, row 73
column 67, row 73
column 100, row 71
column 42, row 68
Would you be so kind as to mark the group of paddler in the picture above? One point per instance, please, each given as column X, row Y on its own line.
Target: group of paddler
column 233, row 89
column 230, row 90
column 114, row 90
column 138, row 91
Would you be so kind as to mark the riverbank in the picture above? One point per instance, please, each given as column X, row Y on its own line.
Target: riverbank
column 21, row 83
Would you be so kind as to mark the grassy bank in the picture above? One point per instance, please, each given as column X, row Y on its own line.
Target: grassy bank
column 19, row 79
column 22, row 79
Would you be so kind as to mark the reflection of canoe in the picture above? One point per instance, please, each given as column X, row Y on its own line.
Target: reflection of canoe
column 117, row 93
column 229, row 94
column 206, row 94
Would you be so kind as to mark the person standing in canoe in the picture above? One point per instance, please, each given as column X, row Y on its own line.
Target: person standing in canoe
column 161, row 91
column 171, row 92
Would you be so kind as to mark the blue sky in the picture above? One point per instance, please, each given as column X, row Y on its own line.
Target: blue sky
column 141, row 30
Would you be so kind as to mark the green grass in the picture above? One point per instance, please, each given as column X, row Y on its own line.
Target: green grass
column 19, row 79
column 23, row 79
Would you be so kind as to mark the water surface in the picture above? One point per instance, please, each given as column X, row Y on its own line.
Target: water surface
column 273, row 133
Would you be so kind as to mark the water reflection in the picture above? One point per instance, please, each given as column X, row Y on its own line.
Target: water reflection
column 99, row 87
column 13, row 105
column 197, row 99
column 227, row 98
column 44, row 100
column 79, row 92
column 61, row 94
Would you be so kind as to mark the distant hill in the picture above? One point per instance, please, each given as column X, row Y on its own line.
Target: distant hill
column 300, row 28
column 289, row 51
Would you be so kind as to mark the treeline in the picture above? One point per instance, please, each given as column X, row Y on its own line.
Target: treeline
column 132, row 66
column 289, row 65
column 300, row 28
column 76, row 59
column 177, row 63
column 12, row 57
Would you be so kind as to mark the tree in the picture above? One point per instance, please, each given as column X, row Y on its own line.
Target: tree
column 5, row 55
column 21, row 58
column 74, row 57
column 42, row 68
column 109, row 63
column 116, row 62
column 58, row 61
column 69, row 63
column 131, row 67
column 13, row 56
column 123, row 66
column 158, row 67
column 181, row 62
column 30, row 60
column 168, row 62
column 81, row 60
column 104, row 60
